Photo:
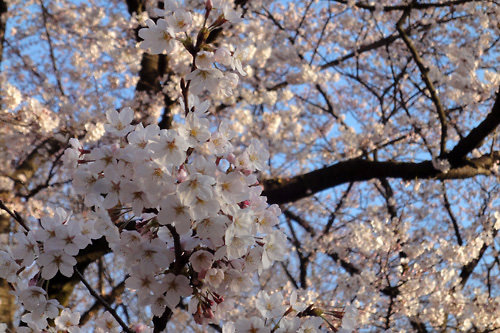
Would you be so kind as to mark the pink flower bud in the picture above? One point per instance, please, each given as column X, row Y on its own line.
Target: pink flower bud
column 181, row 175
column 231, row 158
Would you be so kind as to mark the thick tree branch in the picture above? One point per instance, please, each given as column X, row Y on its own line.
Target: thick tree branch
column 475, row 138
column 365, row 5
column 283, row 190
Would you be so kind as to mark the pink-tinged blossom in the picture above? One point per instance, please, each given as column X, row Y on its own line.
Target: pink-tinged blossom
column 54, row 261
column 252, row 325
column 195, row 106
column 243, row 222
column 204, row 208
column 349, row 320
column 72, row 155
column 68, row 321
column 270, row 306
column 237, row 246
column 214, row 277
column 130, row 240
column 176, row 286
column 253, row 260
column 238, row 282
column 201, row 260
column 105, row 227
column 68, row 237
column 274, row 248
column 173, row 209
column 288, row 325
column 26, row 248
column 158, row 303
column 49, row 224
column 265, row 221
column 180, row 20
column 158, row 37
column 105, row 159
column 311, row 325
column 228, row 84
column 223, row 56
column 205, row 59
column 131, row 193
column 9, row 267
column 239, row 55
column 155, row 180
column 197, row 185
column 203, row 166
column 111, row 187
column 195, row 130
column 139, row 139
column 205, row 78
column 31, row 297
column 227, row 9
column 141, row 280
column 119, row 123
column 107, row 324
column 257, row 156
column 47, row 309
column 232, row 187
column 218, row 144
column 212, row 228
column 154, row 254
column 168, row 148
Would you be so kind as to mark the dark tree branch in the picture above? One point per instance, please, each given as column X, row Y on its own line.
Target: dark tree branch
column 110, row 298
column 15, row 215
column 349, row 268
column 424, row 71
column 103, row 302
column 475, row 137
column 414, row 5
column 283, row 190
column 468, row 269
column 3, row 24
column 452, row 216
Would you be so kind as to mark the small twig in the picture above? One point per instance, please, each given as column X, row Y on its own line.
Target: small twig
column 51, row 48
column 103, row 302
column 424, row 71
column 118, row 289
column 452, row 216
column 15, row 215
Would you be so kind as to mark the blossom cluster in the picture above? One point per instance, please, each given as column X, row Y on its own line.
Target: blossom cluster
column 201, row 226
column 279, row 316
column 181, row 206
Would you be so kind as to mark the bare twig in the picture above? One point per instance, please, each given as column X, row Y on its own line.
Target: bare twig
column 424, row 71
column 103, row 302
column 51, row 48
column 452, row 216
column 15, row 215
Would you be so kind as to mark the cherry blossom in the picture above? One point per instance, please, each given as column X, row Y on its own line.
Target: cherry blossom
column 158, row 37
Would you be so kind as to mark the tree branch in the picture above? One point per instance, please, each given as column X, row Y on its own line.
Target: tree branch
column 15, row 215
column 477, row 135
column 424, row 71
column 103, row 302
column 283, row 190
column 117, row 290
